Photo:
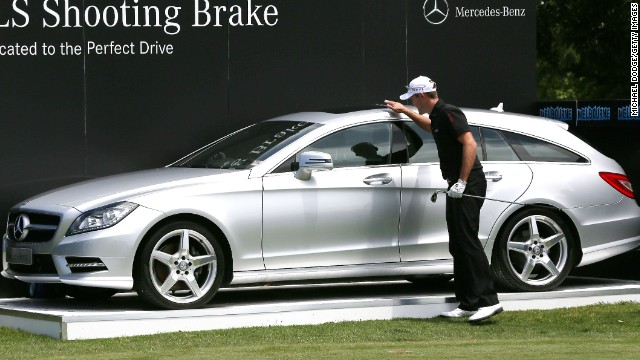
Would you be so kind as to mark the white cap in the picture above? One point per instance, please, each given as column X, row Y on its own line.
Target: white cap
column 421, row 84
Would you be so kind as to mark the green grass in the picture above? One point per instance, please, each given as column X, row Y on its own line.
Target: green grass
column 591, row 332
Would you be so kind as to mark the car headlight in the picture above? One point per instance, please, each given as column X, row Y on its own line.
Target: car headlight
column 101, row 218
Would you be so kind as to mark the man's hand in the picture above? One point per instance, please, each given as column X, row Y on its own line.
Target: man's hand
column 457, row 189
column 421, row 120
column 396, row 106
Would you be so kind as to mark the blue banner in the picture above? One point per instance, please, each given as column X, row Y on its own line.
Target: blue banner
column 600, row 112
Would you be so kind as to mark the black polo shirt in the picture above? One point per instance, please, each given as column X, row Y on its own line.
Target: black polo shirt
column 447, row 123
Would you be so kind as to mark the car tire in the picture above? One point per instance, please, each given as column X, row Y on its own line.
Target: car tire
column 180, row 267
column 88, row 293
column 534, row 251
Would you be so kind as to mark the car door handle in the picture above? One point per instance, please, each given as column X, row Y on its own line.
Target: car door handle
column 378, row 179
column 494, row 176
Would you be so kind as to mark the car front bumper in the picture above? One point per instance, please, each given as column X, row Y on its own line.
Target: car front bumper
column 102, row 258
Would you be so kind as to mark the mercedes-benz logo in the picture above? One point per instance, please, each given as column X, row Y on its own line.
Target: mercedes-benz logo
column 436, row 11
column 21, row 227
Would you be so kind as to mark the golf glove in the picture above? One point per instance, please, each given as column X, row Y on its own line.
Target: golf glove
column 457, row 189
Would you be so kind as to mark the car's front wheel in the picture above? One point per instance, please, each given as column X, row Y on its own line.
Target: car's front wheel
column 180, row 266
column 534, row 252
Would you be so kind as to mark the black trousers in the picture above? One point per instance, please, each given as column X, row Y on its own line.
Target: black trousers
column 472, row 276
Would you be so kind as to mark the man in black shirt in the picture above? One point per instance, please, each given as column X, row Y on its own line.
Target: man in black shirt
column 462, row 170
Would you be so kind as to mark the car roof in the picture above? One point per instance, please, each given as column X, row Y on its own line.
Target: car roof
column 504, row 120
column 549, row 130
column 513, row 121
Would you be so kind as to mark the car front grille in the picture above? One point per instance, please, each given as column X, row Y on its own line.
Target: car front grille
column 42, row 264
column 39, row 227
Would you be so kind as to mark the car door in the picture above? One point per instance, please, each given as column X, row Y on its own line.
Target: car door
column 423, row 228
column 507, row 176
column 344, row 216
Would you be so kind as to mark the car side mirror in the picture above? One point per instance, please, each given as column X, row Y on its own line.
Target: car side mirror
column 311, row 161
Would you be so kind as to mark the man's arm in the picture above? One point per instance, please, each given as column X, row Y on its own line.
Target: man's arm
column 468, row 154
column 422, row 121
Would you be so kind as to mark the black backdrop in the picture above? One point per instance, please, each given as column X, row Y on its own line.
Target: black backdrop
column 65, row 118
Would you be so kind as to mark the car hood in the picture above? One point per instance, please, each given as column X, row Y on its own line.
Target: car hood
column 90, row 194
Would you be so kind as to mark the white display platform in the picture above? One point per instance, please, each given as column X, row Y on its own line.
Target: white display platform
column 126, row 315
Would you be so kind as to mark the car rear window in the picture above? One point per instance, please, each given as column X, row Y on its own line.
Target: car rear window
column 532, row 149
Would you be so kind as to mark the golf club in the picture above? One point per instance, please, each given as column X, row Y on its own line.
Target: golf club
column 434, row 198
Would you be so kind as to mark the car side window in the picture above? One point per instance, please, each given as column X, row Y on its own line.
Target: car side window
column 496, row 146
column 532, row 149
column 364, row 145
column 426, row 152
column 475, row 131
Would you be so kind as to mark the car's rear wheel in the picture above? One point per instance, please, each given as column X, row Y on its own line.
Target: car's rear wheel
column 180, row 267
column 534, row 251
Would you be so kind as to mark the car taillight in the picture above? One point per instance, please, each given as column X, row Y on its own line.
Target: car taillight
column 619, row 182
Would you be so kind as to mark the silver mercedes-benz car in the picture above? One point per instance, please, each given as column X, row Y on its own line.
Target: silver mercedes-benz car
column 317, row 196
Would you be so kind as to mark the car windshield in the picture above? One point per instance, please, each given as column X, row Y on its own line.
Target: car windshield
column 248, row 147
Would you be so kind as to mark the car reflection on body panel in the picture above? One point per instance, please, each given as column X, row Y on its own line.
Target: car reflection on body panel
column 315, row 196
